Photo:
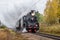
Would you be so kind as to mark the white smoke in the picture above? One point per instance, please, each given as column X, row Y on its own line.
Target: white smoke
column 12, row 10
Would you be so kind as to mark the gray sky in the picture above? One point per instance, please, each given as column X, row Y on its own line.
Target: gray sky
column 41, row 5
column 4, row 4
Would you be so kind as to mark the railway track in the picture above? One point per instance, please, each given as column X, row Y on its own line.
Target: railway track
column 45, row 35
column 48, row 36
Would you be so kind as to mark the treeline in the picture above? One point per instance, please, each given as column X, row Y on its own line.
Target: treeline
column 52, row 12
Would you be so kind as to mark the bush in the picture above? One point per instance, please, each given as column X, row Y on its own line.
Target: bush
column 53, row 29
column 2, row 26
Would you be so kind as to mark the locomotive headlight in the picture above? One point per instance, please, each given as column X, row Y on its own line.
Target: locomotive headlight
column 33, row 14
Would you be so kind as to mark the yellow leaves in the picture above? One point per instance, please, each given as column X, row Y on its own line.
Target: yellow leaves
column 58, row 13
column 52, row 11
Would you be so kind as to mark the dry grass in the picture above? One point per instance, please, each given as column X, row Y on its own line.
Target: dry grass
column 6, row 34
column 53, row 29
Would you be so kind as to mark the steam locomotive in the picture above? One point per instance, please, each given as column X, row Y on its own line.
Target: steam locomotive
column 30, row 22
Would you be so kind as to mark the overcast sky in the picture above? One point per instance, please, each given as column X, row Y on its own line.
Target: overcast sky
column 41, row 5
column 13, row 10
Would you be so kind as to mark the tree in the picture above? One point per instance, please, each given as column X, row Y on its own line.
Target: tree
column 39, row 16
column 58, row 13
column 51, row 12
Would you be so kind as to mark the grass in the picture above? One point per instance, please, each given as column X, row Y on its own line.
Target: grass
column 53, row 29
column 7, row 34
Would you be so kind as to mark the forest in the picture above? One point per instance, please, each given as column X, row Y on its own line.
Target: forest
column 51, row 18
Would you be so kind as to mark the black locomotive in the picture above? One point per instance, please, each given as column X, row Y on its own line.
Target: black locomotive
column 30, row 22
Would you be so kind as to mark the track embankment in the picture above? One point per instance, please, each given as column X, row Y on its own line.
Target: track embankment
column 31, row 36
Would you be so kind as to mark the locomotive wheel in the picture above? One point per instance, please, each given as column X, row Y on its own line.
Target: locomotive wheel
column 29, row 30
column 33, row 31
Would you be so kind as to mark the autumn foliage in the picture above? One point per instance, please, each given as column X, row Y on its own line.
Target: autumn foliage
column 52, row 12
